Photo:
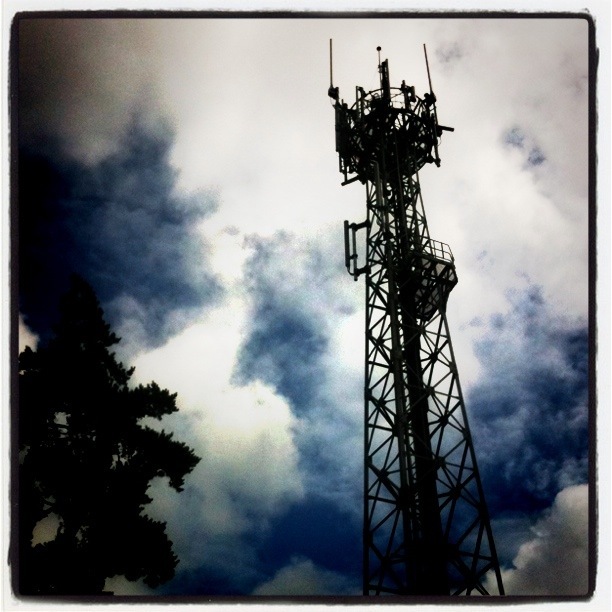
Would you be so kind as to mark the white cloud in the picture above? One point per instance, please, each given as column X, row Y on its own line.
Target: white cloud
column 252, row 119
column 46, row 529
column 302, row 577
column 503, row 219
column 556, row 560
column 120, row 585
column 244, row 435
column 26, row 336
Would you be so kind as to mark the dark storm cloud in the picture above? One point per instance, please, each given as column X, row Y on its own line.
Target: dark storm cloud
column 286, row 337
column 314, row 530
column 529, row 413
column 317, row 530
column 223, row 568
column 282, row 351
column 207, row 581
column 121, row 225
column 296, row 292
column 80, row 81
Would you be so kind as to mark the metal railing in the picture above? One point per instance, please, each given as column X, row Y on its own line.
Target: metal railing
column 437, row 249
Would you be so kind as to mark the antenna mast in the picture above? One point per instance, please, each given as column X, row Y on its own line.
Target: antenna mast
column 426, row 524
column 427, row 65
column 332, row 92
column 331, row 68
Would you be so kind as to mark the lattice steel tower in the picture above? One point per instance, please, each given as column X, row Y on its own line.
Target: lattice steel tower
column 426, row 525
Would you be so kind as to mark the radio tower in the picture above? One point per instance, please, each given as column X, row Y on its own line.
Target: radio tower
column 426, row 524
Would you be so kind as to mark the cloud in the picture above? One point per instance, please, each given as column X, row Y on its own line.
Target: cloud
column 303, row 577
column 449, row 52
column 119, row 585
column 122, row 226
column 529, row 412
column 288, row 328
column 529, row 148
column 304, row 337
column 68, row 94
column 320, row 529
column 556, row 560
column 98, row 191
column 46, row 529
column 26, row 337
column 245, row 434
column 525, row 205
column 270, row 447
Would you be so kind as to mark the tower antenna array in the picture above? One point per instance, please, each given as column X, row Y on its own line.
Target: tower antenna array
column 426, row 525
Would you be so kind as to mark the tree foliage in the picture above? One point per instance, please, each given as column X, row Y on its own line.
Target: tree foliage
column 86, row 460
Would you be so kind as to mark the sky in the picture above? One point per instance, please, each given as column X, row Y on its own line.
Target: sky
column 187, row 169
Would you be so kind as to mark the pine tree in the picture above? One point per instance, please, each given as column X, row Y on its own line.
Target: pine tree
column 86, row 460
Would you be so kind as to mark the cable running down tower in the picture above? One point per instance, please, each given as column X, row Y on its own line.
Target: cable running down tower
column 426, row 524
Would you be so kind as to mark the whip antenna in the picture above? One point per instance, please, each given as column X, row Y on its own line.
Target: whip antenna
column 332, row 92
column 428, row 73
column 331, row 68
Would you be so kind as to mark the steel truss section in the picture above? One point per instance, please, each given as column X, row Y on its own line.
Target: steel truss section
column 426, row 528
column 426, row 524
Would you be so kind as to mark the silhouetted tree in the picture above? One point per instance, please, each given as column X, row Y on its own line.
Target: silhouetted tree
column 86, row 460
